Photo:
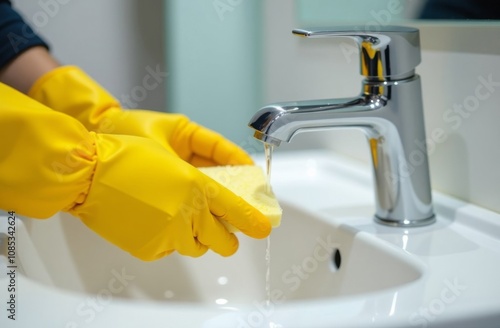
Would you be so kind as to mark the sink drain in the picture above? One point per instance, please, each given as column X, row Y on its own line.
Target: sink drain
column 336, row 260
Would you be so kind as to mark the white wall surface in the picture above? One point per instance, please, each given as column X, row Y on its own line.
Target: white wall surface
column 117, row 42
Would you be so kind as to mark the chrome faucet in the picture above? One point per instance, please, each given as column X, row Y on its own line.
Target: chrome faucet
column 390, row 112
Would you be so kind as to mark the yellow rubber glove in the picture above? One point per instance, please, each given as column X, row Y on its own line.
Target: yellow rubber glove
column 69, row 90
column 128, row 189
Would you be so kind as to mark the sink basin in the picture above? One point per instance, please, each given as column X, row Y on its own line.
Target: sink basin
column 330, row 265
column 311, row 259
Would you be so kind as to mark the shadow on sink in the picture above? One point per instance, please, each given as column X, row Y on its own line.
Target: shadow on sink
column 311, row 258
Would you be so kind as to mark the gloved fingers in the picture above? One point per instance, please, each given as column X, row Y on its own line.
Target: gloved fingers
column 185, row 239
column 227, row 206
column 165, row 253
column 212, row 146
column 211, row 232
column 191, row 246
column 147, row 257
column 198, row 161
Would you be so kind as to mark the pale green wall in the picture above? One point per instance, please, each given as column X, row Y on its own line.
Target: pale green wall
column 213, row 52
column 369, row 13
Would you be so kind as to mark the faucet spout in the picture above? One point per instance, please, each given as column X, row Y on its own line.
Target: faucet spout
column 390, row 113
column 280, row 122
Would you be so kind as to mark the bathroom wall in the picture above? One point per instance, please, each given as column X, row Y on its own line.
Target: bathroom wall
column 120, row 42
column 210, row 71
column 460, row 73
column 214, row 58
column 117, row 42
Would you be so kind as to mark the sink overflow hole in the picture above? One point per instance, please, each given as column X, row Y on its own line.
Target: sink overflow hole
column 336, row 260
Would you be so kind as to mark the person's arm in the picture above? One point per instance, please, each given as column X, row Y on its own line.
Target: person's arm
column 130, row 189
column 22, row 72
column 24, row 55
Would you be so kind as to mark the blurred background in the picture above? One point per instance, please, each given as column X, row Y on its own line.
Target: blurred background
column 219, row 61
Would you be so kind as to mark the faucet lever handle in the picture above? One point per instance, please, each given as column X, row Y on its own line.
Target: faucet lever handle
column 389, row 54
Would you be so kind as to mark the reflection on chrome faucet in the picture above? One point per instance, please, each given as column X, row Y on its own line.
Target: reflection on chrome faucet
column 389, row 110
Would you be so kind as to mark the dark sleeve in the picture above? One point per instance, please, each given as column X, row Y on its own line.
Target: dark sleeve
column 460, row 9
column 15, row 35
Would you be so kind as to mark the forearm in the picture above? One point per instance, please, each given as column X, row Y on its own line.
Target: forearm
column 24, row 55
column 27, row 67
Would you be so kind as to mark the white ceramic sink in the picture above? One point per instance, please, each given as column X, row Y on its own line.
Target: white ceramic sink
column 331, row 266
column 303, row 258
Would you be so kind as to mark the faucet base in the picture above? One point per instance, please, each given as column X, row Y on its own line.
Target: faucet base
column 406, row 223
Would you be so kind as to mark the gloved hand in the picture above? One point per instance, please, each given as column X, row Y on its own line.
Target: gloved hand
column 128, row 189
column 69, row 90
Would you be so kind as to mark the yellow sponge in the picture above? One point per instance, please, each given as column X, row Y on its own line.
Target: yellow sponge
column 250, row 183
